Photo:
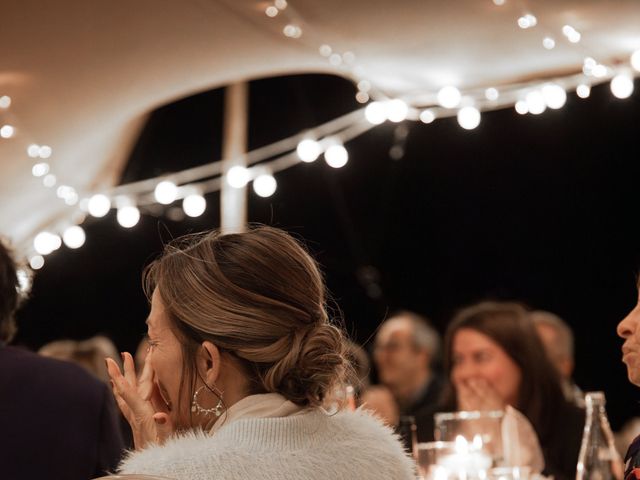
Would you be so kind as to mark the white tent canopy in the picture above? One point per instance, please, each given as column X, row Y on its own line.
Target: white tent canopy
column 82, row 76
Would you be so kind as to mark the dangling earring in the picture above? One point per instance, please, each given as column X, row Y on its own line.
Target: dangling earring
column 197, row 408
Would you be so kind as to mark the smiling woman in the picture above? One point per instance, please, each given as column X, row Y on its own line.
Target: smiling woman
column 495, row 359
column 243, row 362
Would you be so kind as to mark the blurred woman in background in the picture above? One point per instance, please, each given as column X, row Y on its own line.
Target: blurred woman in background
column 494, row 359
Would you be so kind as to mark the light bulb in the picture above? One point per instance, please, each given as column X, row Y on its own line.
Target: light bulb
column 49, row 180
column 621, row 86
column 194, row 205
column 128, row 216
column 449, row 97
column 535, row 102
column 33, row 150
column 238, row 176
column 5, row 101
column 521, row 107
column 336, row 156
column 548, row 43
column 271, row 11
column 7, row 131
column 397, row 110
column 99, row 205
column 469, row 118
column 375, row 113
column 308, row 150
column 46, row 242
column 265, row 185
column 74, row 237
column 36, row 262
column 491, row 94
column 166, row 192
column 45, row 151
column 554, row 96
column 40, row 169
column 583, row 90
column 427, row 116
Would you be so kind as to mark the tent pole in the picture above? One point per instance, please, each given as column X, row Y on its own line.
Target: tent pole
column 233, row 201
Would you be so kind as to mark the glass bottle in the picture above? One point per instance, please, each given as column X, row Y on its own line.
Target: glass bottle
column 409, row 434
column 598, row 458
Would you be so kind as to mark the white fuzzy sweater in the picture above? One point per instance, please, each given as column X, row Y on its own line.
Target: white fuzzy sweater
column 308, row 446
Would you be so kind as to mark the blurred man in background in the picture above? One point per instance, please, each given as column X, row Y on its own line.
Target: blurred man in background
column 406, row 349
column 557, row 339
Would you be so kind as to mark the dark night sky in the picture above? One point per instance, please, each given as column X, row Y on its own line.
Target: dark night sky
column 542, row 209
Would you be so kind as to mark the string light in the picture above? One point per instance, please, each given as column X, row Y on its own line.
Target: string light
column 521, row 107
column 599, row 71
column 45, row 151
column 396, row 110
column 74, row 237
column 583, row 90
column 499, row 3
column 7, row 131
column 427, row 116
column 375, row 113
column 336, row 156
column 265, row 185
column 535, row 102
column 238, row 176
column 527, row 21
column 49, row 180
column 194, row 205
column 271, row 11
column 554, row 96
column 128, row 216
column 33, row 150
column 449, row 97
column 548, row 43
column 40, row 169
column 5, row 101
column 46, row 242
column 36, row 262
column 308, row 150
column 325, row 50
column 166, row 192
column 491, row 94
column 621, row 86
column 469, row 118
column 280, row 4
column 362, row 97
column 99, row 205
column 335, row 59
column 292, row 31
column 571, row 33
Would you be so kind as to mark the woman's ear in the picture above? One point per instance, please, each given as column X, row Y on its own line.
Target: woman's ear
column 209, row 362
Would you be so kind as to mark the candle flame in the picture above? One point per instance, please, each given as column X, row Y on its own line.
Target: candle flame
column 462, row 446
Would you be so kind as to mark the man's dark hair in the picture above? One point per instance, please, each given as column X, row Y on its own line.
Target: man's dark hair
column 9, row 293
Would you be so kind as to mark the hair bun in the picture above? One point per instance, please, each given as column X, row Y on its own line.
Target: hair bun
column 313, row 364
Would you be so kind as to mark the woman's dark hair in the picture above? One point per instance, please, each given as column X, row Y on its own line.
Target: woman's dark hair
column 508, row 325
column 9, row 294
column 260, row 297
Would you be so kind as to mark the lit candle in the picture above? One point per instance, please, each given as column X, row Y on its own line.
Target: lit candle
column 465, row 460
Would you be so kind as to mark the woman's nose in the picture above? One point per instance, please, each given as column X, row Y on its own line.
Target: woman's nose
column 628, row 324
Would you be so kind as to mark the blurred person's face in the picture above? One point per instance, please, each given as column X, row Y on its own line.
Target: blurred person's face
column 398, row 360
column 165, row 357
column 475, row 356
column 549, row 337
column 628, row 330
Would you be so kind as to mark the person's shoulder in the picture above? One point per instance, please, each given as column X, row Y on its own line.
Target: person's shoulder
column 39, row 370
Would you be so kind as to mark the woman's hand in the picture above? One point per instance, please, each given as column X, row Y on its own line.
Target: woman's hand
column 140, row 402
column 478, row 394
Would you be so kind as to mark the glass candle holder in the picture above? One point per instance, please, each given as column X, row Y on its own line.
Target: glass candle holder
column 480, row 430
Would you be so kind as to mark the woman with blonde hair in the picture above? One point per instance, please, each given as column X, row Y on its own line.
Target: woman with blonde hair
column 243, row 357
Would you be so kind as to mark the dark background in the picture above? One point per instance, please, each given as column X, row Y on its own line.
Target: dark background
column 541, row 209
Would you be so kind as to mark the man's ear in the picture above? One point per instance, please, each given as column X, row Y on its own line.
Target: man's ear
column 209, row 362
